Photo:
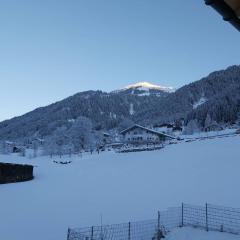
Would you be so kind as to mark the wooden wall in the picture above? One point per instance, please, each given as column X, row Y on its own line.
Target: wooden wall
column 10, row 173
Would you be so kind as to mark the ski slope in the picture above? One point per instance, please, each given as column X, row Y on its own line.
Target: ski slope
column 120, row 187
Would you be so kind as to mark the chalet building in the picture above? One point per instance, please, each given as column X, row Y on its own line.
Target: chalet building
column 139, row 134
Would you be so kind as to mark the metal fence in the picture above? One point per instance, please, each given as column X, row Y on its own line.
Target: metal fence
column 209, row 217
column 212, row 217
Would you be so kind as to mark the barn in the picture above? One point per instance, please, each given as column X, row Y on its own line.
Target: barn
column 139, row 134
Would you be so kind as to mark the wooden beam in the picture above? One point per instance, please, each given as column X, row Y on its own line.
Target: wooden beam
column 229, row 9
column 235, row 5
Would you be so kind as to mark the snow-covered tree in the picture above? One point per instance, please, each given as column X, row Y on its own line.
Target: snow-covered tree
column 191, row 128
column 3, row 147
column 208, row 121
column 81, row 133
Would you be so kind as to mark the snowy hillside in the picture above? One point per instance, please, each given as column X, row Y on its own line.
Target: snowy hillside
column 121, row 187
column 216, row 95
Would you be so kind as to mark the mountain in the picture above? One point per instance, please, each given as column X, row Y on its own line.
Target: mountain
column 146, row 89
column 105, row 110
column 216, row 96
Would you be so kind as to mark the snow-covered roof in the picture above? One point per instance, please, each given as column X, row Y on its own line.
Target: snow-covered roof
column 147, row 129
column 9, row 143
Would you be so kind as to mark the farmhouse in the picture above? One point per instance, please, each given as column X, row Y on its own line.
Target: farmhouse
column 139, row 134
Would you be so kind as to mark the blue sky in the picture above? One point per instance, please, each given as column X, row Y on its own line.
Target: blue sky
column 51, row 49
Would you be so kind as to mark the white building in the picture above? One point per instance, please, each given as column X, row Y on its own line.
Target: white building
column 139, row 134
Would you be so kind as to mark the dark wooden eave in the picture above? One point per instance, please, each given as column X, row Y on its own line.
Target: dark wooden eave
column 229, row 9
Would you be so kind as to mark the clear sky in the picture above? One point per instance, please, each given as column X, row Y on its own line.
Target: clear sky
column 51, row 49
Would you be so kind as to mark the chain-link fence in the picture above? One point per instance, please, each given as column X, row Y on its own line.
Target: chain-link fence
column 209, row 217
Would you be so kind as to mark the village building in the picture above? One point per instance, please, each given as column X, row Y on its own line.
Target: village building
column 138, row 134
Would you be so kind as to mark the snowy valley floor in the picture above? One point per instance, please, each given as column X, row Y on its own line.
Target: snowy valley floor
column 121, row 187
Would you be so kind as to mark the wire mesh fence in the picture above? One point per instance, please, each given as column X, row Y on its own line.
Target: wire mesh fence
column 142, row 230
column 212, row 217
column 209, row 217
column 193, row 216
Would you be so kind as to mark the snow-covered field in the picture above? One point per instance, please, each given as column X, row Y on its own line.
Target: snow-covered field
column 197, row 234
column 121, row 187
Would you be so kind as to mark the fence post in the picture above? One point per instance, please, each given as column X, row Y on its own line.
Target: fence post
column 206, row 216
column 182, row 214
column 92, row 233
column 159, row 220
column 68, row 234
column 129, row 231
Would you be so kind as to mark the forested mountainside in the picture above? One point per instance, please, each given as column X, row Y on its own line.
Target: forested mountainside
column 105, row 110
column 216, row 96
